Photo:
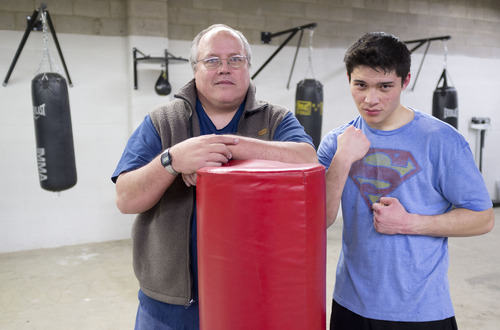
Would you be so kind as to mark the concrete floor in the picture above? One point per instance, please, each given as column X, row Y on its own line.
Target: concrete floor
column 92, row 286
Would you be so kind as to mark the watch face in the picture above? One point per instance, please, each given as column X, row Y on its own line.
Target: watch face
column 165, row 159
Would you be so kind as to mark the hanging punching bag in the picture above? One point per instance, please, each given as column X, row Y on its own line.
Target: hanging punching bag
column 162, row 86
column 309, row 107
column 53, row 132
column 445, row 102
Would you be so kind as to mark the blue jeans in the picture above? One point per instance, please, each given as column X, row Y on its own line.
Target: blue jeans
column 156, row 315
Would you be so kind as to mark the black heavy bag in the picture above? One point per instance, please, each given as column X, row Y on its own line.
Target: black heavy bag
column 54, row 136
column 445, row 102
column 309, row 107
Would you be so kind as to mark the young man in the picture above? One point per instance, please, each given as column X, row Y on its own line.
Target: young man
column 407, row 181
column 157, row 172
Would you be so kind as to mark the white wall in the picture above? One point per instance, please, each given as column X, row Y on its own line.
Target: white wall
column 31, row 217
column 105, row 109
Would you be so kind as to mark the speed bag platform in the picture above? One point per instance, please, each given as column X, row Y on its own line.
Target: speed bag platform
column 53, row 132
column 261, row 246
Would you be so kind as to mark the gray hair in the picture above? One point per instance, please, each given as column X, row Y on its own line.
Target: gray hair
column 196, row 42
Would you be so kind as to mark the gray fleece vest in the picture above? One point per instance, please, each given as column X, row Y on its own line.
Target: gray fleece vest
column 161, row 235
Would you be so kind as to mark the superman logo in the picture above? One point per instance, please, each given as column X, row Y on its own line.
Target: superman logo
column 382, row 171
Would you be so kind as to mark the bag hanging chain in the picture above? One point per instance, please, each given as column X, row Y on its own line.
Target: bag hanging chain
column 309, row 56
column 445, row 62
column 47, row 61
column 445, row 55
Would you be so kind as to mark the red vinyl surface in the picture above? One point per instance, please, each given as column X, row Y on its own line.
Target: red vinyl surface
column 262, row 246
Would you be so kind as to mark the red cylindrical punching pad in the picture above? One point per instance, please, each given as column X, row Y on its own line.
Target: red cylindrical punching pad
column 262, row 246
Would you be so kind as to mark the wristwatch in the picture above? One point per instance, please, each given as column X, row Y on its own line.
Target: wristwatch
column 166, row 161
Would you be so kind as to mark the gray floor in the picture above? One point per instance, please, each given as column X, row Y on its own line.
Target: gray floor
column 93, row 287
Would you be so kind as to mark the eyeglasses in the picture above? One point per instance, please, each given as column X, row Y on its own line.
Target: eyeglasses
column 213, row 63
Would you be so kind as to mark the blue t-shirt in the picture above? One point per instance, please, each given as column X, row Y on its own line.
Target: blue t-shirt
column 429, row 167
column 143, row 146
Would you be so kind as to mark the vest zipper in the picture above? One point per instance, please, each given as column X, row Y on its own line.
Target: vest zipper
column 189, row 303
column 191, row 300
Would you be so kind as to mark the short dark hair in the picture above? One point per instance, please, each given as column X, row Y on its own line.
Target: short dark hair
column 379, row 50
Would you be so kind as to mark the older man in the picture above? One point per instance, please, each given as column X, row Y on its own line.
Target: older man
column 214, row 118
